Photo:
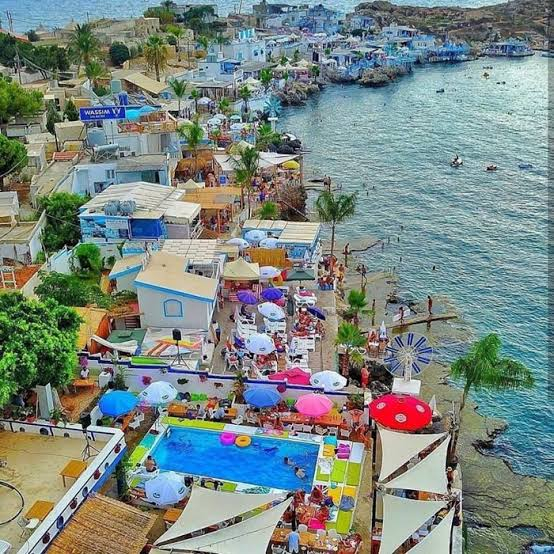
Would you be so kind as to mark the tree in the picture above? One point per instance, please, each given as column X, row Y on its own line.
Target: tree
column 266, row 76
column 269, row 210
column 266, row 136
column 315, row 72
column 95, row 71
column 52, row 117
column 165, row 16
column 245, row 94
column 203, row 42
column 71, row 290
column 335, row 209
column 296, row 56
column 70, row 111
column 292, row 202
column 351, row 339
column 84, row 44
column 89, row 257
column 357, row 305
column 32, row 35
column 224, row 106
column 221, row 40
column 246, row 167
column 13, row 157
column 119, row 53
column 193, row 133
column 179, row 90
column 177, row 33
column 15, row 101
column 155, row 53
column 38, row 343
column 195, row 95
column 284, row 60
column 62, row 221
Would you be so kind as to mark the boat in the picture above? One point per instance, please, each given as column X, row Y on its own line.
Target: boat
column 492, row 167
column 525, row 166
column 511, row 48
column 440, row 90
column 456, row 162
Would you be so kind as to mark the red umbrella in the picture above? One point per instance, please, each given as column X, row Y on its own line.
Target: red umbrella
column 401, row 412
column 293, row 376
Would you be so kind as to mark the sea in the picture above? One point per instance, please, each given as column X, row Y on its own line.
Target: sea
column 485, row 233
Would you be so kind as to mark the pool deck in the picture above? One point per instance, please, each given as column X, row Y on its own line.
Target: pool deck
column 342, row 477
column 33, row 466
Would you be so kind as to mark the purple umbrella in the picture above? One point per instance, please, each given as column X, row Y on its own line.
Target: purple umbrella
column 272, row 294
column 247, row 297
column 315, row 311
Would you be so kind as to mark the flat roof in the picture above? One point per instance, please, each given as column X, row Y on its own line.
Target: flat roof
column 287, row 232
column 167, row 272
column 124, row 264
column 20, row 233
column 46, row 181
column 144, row 82
column 204, row 250
column 131, row 163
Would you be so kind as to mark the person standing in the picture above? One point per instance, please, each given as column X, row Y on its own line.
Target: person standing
column 294, row 541
column 429, row 304
column 364, row 373
column 346, row 251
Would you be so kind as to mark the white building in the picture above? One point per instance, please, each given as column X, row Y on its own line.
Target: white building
column 247, row 47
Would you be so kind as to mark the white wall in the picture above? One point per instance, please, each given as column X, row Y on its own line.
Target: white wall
column 85, row 175
column 35, row 245
column 127, row 282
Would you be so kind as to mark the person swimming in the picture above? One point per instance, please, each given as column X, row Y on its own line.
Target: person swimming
column 287, row 461
column 300, row 473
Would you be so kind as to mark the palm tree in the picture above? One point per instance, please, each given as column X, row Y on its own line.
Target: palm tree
column 224, row 106
column 195, row 95
column 284, row 60
column 155, row 53
column 335, row 209
column 265, row 136
column 245, row 94
column 204, row 42
column 296, row 56
column 95, row 71
column 168, row 4
column 246, row 168
column 178, row 33
column 216, row 135
column 193, row 133
column 84, row 44
column 351, row 339
column 221, row 40
column 269, row 210
column 266, row 76
column 357, row 305
column 179, row 90
column 315, row 72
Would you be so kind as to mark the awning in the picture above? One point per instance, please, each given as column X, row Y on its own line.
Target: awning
column 438, row 540
column 241, row 270
column 428, row 475
column 402, row 517
column 399, row 448
column 128, row 347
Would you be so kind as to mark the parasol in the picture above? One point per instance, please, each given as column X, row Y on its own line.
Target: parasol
column 401, row 412
column 314, row 405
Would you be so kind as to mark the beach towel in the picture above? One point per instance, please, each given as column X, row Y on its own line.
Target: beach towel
column 339, row 471
column 325, row 466
column 353, row 474
column 344, row 520
column 328, row 450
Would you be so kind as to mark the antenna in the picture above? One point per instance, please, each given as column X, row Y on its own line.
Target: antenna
column 408, row 354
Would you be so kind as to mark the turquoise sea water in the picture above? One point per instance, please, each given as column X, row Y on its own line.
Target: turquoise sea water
column 200, row 452
column 486, row 233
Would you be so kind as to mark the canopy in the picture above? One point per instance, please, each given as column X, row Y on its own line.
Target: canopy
column 300, row 275
column 269, row 242
column 247, row 297
column 314, row 405
column 427, row 475
column 127, row 347
column 328, row 380
column 293, row 376
column 260, row 344
column 262, row 398
column 268, row 271
column 438, row 540
column 255, row 235
column 241, row 270
column 117, row 402
column 165, row 489
column 291, row 164
column 237, row 241
column 158, row 393
column 271, row 311
column 399, row 448
column 401, row 411
column 207, row 507
column 402, row 518
column 272, row 294
column 251, row 535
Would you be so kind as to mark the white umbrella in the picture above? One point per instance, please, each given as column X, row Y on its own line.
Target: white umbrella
column 204, row 101
column 271, row 311
column 255, row 235
column 237, row 241
column 236, row 126
column 328, row 380
column 158, row 393
column 166, row 489
column 382, row 330
column 260, row 344
column 269, row 242
column 220, row 116
column 269, row 272
column 214, row 122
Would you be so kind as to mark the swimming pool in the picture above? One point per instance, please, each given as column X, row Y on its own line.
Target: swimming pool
column 199, row 452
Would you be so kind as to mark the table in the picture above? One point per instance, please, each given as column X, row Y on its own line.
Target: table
column 177, row 410
column 329, row 420
column 83, row 383
column 73, row 469
column 307, row 539
column 39, row 510
column 171, row 516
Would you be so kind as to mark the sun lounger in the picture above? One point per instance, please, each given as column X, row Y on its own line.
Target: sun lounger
column 339, row 471
column 353, row 474
column 357, row 453
column 344, row 520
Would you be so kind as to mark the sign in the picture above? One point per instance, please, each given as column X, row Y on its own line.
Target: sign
column 98, row 113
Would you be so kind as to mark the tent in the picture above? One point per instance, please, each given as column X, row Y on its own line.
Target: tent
column 438, row 540
column 241, row 270
column 402, row 518
column 190, row 185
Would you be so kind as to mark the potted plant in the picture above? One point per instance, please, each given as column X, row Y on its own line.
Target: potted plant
column 57, row 415
column 239, row 387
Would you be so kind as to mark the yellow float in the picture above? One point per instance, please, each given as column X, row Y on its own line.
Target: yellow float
column 243, row 441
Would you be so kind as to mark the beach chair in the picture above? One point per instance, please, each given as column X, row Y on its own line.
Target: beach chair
column 320, row 430
column 333, row 534
column 307, row 428
column 134, row 425
column 27, row 526
column 297, row 427
column 302, row 528
column 321, row 533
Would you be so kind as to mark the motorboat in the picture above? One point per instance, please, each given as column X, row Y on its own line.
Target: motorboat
column 456, row 162
column 492, row 167
column 440, row 90
column 525, row 166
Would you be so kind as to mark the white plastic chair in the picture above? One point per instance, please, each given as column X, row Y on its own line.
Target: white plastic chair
column 27, row 526
column 302, row 528
column 321, row 533
column 238, row 421
column 332, row 533
column 320, row 430
column 134, row 424
column 5, row 547
column 307, row 428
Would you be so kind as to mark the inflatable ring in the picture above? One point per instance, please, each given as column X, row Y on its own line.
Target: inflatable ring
column 227, row 439
column 243, row 441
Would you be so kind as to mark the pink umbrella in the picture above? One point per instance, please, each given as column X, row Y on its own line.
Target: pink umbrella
column 293, row 376
column 314, row 405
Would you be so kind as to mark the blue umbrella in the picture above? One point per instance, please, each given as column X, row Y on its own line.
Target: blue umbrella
column 247, row 297
column 117, row 403
column 262, row 398
column 314, row 310
column 272, row 294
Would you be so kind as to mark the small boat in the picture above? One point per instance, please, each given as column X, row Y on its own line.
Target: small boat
column 457, row 162
column 440, row 90
column 492, row 167
column 525, row 166
column 486, row 75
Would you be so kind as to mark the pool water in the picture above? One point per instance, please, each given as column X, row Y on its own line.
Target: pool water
column 199, row 452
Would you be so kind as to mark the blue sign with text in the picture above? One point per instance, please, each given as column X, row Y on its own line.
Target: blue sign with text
column 97, row 113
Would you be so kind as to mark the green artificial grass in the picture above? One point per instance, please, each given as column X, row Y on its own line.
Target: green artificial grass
column 353, row 474
column 322, row 476
column 137, row 455
column 339, row 471
column 197, row 423
column 344, row 520
column 145, row 360
column 228, row 487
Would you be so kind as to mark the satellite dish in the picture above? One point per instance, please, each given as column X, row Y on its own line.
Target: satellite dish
column 408, row 354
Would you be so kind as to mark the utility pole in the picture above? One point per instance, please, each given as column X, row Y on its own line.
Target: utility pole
column 17, row 60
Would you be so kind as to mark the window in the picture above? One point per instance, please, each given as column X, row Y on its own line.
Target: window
column 173, row 308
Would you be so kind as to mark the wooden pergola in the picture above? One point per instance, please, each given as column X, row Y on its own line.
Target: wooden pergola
column 103, row 525
column 214, row 201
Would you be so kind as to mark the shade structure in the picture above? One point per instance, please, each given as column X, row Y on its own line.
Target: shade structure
column 214, row 121
column 401, row 412
column 314, row 405
column 300, row 275
column 255, row 235
column 438, row 540
column 158, row 393
column 269, row 242
column 317, row 312
column 237, row 241
column 204, row 101
column 269, row 272
column 117, row 403
column 241, row 270
column 260, row 344
column 272, row 294
column 293, row 376
column 262, row 398
column 328, row 380
column 165, row 489
column 271, row 311
column 247, row 297
column 291, row 164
